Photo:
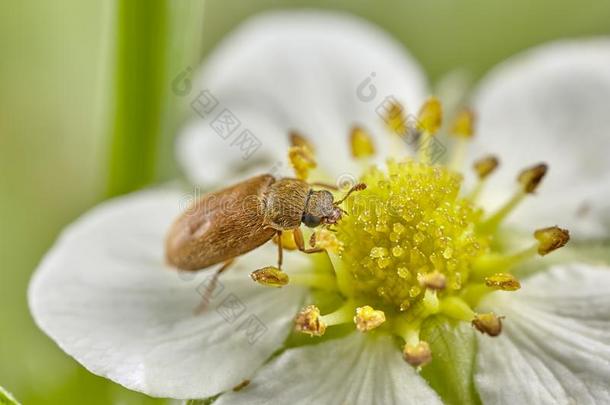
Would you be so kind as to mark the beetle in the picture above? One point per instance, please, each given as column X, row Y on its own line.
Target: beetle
column 225, row 224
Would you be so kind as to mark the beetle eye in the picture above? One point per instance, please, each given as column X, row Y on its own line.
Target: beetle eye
column 311, row 221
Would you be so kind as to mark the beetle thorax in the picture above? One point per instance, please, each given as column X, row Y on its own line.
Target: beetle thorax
column 285, row 202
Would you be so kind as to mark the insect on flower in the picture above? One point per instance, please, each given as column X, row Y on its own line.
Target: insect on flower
column 225, row 224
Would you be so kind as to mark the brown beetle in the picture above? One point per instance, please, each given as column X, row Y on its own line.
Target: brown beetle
column 228, row 223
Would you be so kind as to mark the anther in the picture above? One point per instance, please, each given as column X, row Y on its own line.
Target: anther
column 488, row 323
column 462, row 129
column 434, row 280
column 270, row 276
column 429, row 121
column 417, row 355
column 503, row 281
column 296, row 139
column 309, row 321
column 483, row 167
column 430, row 116
column 396, row 119
column 531, row 177
column 361, row 143
column 367, row 318
column 463, row 125
column 551, row 238
column 302, row 160
column 486, row 166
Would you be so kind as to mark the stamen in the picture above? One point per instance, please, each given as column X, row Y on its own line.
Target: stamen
column 325, row 282
column 548, row 240
column 484, row 168
column 435, row 280
column 456, row 308
column 361, row 143
column 344, row 277
column 463, row 125
column 490, row 264
column 429, row 121
column 463, row 130
column 430, row 116
column 270, row 276
column 344, row 314
column 503, row 281
column 309, row 321
column 396, row 119
column 489, row 323
column 430, row 304
column 417, row 355
column 302, row 160
column 529, row 180
column 367, row 318
column 296, row 139
column 551, row 239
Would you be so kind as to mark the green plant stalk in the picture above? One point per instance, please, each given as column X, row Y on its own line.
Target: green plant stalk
column 139, row 93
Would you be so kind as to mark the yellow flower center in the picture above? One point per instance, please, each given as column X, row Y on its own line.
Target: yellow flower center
column 412, row 243
column 407, row 224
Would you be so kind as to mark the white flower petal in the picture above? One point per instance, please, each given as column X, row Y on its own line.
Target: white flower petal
column 301, row 70
column 550, row 105
column 104, row 294
column 355, row 370
column 555, row 346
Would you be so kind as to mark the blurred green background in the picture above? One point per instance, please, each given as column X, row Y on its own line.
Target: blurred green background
column 86, row 112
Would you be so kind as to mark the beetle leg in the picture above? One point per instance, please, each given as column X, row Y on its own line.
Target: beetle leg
column 209, row 290
column 280, row 250
column 298, row 240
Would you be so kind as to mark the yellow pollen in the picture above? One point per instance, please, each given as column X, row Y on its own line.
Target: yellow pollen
column 551, row 239
column 302, row 160
column 270, row 276
column 326, row 240
column 408, row 231
column 430, row 116
column 361, row 143
column 463, row 125
column 367, row 318
column 503, row 281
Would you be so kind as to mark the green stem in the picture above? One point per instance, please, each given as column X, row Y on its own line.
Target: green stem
column 139, row 93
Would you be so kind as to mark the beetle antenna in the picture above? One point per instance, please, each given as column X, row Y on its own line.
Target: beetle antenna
column 355, row 187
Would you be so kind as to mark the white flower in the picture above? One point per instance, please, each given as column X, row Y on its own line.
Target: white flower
column 106, row 296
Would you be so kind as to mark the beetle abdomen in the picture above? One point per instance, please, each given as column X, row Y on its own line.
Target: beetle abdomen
column 220, row 226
